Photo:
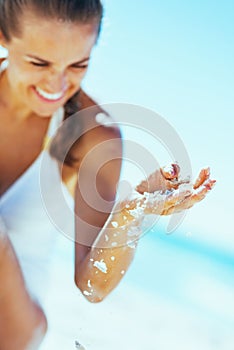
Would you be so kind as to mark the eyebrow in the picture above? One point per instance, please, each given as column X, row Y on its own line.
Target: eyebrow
column 44, row 61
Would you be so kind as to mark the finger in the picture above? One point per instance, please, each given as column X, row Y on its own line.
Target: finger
column 202, row 177
column 178, row 207
column 194, row 198
column 203, row 190
column 176, row 197
column 170, row 172
column 174, row 184
column 171, row 175
column 157, row 202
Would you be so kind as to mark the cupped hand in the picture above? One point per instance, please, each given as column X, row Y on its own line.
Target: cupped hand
column 166, row 193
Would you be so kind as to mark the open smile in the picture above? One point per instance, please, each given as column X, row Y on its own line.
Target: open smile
column 45, row 96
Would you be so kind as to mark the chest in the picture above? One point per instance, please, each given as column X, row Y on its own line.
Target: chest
column 20, row 145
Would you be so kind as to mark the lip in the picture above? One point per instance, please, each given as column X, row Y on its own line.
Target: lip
column 47, row 100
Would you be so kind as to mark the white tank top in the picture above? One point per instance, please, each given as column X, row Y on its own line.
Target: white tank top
column 35, row 209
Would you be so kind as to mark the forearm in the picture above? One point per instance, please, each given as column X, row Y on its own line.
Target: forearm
column 111, row 253
column 114, row 248
column 22, row 322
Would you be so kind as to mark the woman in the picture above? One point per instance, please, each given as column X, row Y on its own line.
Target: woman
column 49, row 44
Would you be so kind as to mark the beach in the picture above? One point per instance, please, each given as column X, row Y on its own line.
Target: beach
column 193, row 311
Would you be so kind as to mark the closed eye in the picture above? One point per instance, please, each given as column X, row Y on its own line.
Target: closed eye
column 79, row 66
column 39, row 64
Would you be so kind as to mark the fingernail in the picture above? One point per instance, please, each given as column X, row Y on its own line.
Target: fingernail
column 171, row 171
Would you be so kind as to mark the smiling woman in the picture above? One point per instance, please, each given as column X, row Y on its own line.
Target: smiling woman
column 47, row 71
column 49, row 45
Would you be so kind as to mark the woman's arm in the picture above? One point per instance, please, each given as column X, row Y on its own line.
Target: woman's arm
column 106, row 243
column 98, row 178
column 22, row 322
column 114, row 248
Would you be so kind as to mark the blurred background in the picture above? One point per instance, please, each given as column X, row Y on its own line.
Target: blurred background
column 174, row 58
column 177, row 60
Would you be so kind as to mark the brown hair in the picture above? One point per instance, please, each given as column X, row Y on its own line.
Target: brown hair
column 75, row 11
column 81, row 11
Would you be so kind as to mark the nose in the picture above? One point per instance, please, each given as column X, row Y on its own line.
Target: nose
column 56, row 82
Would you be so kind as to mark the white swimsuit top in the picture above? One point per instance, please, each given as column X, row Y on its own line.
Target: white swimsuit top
column 35, row 210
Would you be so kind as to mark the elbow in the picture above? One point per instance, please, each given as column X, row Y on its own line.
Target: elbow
column 91, row 293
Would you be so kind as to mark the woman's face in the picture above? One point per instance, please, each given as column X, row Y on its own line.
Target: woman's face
column 48, row 62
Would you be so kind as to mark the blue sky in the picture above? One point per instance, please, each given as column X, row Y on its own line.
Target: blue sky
column 176, row 58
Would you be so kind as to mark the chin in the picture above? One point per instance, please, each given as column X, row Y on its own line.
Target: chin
column 45, row 113
column 49, row 110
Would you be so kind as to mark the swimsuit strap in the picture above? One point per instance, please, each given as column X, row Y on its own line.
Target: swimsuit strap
column 55, row 122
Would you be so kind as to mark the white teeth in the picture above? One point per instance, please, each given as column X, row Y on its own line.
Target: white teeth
column 49, row 96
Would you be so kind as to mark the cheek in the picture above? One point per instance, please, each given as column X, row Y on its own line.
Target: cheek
column 74, row 81
column 19, row 80
column 77, row 77
column 21, row 77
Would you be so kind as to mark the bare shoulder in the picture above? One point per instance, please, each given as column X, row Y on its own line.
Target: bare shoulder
column 98, row 127
column 98, row 149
